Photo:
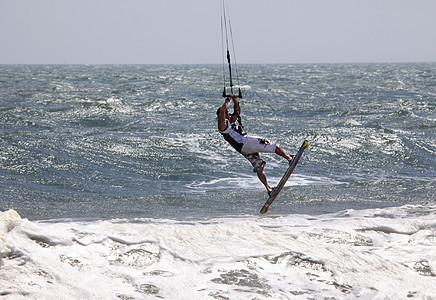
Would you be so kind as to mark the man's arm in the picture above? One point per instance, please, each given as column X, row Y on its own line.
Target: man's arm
column 222, row 124
column 236, row 109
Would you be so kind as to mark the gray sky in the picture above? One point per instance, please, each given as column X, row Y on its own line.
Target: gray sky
column 189, row 31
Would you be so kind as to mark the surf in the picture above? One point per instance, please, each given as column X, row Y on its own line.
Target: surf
column 389, row 254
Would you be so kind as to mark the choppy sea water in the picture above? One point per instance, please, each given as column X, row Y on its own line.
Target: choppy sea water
column 120, row 170
column 141, row 141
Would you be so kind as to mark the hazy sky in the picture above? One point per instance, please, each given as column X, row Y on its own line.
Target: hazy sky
column 189, row 31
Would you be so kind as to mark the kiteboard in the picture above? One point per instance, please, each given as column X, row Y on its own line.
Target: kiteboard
column 285, row 178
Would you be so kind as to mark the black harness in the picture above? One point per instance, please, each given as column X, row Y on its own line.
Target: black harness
column 238, row 128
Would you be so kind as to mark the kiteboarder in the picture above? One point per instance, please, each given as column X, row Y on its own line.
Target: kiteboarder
column 248, row 146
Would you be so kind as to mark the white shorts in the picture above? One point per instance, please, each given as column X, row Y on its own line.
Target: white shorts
column 255, row 160
column 255, row 144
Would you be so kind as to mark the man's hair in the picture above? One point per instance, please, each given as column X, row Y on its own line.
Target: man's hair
column 218, row 113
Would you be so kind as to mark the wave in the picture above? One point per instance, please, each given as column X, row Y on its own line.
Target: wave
column 374, row 253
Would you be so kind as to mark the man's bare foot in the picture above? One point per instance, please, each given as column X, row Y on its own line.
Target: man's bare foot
column 270, row 191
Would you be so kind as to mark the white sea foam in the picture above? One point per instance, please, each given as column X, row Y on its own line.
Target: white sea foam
column 251, row 182
column 380, row 253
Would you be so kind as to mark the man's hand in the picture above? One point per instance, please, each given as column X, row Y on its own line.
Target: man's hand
column 236, row 107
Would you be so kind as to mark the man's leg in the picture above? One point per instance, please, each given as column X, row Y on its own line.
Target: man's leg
column 282, row 153
column 258, row 165
column 254, row 145
column 262, row 177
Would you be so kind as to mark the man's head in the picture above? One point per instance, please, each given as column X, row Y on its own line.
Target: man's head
column 228, row 114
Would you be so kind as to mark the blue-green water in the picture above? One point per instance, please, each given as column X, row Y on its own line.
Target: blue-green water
column 141, row 141
column 124, row 177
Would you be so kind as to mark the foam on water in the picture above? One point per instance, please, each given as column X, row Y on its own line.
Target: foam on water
column 251, row 183
column 379, row 253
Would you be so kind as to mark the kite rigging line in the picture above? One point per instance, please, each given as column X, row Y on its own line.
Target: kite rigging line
column 226, row 32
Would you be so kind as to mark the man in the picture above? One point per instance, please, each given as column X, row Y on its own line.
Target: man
column 248, row 146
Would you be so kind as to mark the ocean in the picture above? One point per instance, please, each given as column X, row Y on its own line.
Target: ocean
column 115, row 183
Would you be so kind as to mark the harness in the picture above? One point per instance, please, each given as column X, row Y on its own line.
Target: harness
column 235, row 140
column 239, row 128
